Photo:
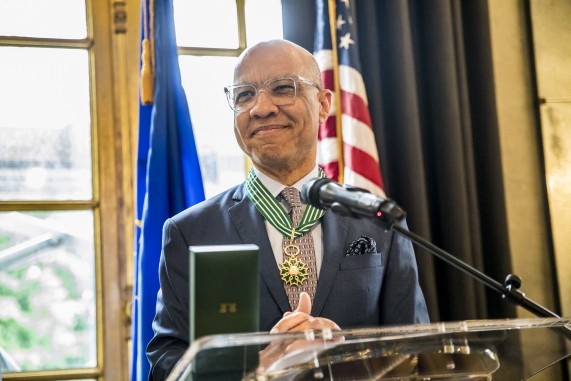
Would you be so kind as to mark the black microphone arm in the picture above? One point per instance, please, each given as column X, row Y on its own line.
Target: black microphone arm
column 355, row 202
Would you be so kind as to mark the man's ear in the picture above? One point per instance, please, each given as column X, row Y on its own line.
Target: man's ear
column 325, row 99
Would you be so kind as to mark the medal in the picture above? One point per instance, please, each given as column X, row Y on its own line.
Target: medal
column 293, row 271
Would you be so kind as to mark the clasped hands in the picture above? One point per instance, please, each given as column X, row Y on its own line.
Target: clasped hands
column 297, row 321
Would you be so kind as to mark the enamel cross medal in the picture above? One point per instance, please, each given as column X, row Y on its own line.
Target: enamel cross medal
column 292, row 271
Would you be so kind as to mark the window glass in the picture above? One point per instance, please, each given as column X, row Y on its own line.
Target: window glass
column 45, row 138
column 41, row 18
column 222, row 163
column 216, row 27
column 263, row 20
column 47, row 290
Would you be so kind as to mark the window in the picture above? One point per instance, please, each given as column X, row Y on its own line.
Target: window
column 68, row 122
column 209, row 47
column 61, row 191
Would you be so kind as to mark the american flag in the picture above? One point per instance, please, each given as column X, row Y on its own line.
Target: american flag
column 358, row 152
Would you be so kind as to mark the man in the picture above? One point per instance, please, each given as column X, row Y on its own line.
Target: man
column 279, row 102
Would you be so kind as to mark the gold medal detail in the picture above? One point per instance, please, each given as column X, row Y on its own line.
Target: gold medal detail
column 293, row 271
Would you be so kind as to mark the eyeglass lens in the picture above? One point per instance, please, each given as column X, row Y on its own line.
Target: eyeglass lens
column 282, row 91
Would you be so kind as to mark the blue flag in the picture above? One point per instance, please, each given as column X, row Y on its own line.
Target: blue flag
column 168, row 177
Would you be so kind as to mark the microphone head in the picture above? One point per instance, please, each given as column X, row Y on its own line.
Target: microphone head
column 310, row 191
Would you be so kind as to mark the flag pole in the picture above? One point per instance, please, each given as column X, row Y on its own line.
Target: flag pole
column 337, row 88
column 148, row 54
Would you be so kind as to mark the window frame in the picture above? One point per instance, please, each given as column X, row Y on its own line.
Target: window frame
column 113, row 45
column 110, row 43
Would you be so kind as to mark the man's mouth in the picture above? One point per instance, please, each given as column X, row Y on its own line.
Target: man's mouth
column 268, row 129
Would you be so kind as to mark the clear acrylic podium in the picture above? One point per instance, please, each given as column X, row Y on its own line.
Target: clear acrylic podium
column 511, row 349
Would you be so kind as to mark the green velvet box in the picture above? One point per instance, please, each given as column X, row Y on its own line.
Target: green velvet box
column 224, row 289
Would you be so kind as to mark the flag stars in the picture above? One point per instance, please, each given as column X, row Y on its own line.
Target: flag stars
column 346, row 41
column 340, row 22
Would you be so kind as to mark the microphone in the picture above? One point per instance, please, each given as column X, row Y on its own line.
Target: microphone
column 324, row 193
column 348, row 200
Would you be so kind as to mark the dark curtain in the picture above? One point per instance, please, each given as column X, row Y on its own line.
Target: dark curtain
column 428, row 73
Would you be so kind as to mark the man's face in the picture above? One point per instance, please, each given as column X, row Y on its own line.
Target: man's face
column 279, row 138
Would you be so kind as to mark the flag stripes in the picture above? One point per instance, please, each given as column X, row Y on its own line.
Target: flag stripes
column 359, row 136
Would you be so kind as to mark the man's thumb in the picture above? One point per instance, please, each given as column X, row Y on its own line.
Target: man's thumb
column 304, row 303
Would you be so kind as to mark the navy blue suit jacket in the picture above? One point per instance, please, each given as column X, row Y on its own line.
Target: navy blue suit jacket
column 353, row 291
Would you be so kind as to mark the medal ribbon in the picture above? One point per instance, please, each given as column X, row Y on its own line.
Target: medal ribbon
column 274, row 212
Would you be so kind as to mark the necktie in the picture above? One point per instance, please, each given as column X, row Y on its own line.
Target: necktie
column 306, row 250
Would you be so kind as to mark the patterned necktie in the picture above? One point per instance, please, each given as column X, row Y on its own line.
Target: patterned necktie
column 307, row 250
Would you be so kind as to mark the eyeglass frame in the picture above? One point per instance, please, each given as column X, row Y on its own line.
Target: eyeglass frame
column 296, row 79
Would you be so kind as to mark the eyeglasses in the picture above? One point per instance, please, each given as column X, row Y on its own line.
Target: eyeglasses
column 282, row 91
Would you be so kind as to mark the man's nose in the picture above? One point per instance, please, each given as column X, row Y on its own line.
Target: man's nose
column 264, row 106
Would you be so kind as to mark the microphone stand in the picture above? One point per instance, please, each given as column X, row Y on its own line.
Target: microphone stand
column 388, row 212
column 509, row 290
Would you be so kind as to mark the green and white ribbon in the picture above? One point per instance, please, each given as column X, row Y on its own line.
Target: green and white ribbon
column 274, row 212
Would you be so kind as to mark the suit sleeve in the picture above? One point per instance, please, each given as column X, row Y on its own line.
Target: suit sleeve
column 171, row 320
column 402, row 300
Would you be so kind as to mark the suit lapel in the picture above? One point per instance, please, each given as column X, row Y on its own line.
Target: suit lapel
column 335, row 230
column 250, row 226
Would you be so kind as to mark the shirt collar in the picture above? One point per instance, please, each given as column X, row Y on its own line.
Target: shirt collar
column 275, row 187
